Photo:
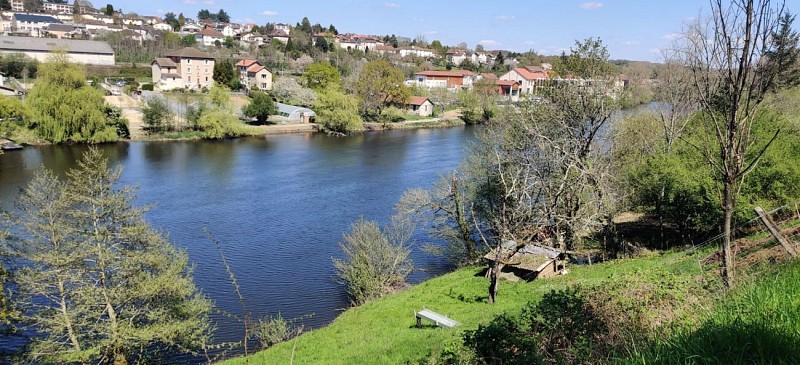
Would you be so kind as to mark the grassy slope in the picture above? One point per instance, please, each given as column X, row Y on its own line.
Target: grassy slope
column 382, row 332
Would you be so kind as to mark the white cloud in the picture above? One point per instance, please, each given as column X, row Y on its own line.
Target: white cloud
column 391, row 5
column 189, row 2
column 670, row 36
column 591, row 6
column 489, row 42
column 505, row 18
column 269, row 13
column 629, row 43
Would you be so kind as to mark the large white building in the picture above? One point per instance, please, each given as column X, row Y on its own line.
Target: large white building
column 187, row 68
column 78, row 51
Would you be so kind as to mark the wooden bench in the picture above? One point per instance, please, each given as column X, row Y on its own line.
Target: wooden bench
column 440, row 319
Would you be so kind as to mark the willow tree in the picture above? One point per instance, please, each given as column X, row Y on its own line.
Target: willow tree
column 96, row 283
column 65, row 108
column 731, row 71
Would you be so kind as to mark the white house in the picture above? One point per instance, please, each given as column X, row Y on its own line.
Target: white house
column 357, row 42
column 209, row 37
column 32, row 24
column 280, row 35
column 187, row 68
column 163, row 27
column 528, row 77
column 420, row 105
column 456, row 56
column 416, row 51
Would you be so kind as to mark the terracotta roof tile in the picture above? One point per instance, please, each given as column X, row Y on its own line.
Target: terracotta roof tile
column 417, row 100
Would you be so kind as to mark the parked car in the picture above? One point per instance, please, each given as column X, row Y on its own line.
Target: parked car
column 116, row 92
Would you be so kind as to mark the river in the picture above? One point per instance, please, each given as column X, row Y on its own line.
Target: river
column 277, row 204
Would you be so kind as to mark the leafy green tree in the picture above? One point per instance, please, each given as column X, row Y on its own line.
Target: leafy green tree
column 65, row 108
column 5, row 4
column 322, row 44
column 96, row 283
column 109, row 10
column 222, row 16
column 587, row 60
column 157, row 114
column 223, row 72
column 188, row 40
column 181, row 19
column 333, row 30
column 204, row 14
column 261, row 107
column 338, row 112
column 783, row 55
column 220, row 96
column 219, row 124
column 321, row 76
column 380, row 84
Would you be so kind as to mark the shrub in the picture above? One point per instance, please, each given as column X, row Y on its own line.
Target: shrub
column 147, row 87
column 271, row 331
column 376, row 262
column 219, row 124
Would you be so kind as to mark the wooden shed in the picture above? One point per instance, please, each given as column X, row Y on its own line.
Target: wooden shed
column 529, row 261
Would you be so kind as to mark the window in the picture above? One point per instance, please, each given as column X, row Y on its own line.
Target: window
column 189, row 70
column 189, row 61
column 206, row 62
column 206, row 78
column 263, row 85
column 263, row 76
column 190, row 79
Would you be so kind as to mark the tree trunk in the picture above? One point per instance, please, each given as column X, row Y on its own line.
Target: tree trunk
column 73, row 339
column 727, row 253
column 463, row 226
column 494, row 280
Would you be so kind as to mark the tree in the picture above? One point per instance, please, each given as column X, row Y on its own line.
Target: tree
column 321, row 76
column 181, row 19
column 261, row 107
column 157, row 114
column 784, row 53
column 380, row 84
column 220, row 95
column 588, row 59
column 376, row 261
column 333, row 30
column 731, row 80
column 5, row 4
column 204, row 15
column 222, row 16
column 170, row 19
column 218, row 123
column 287, row 90
column 223, row 72
column 96, row 283
column 338, row 112
column 188, row 40
column 33, row 5
column 305, row 25
column 109, row 10
column 322, row 44
column 65, row 108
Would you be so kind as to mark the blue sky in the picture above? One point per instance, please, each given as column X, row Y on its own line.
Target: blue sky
column 632, row 29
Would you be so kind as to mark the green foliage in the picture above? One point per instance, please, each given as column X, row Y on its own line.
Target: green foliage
column 587, row 60
column 380, row 84
column 18, row 65
column 376, row 262
column 157, row 114
column 274, row 330
column 261, row 107
column 96, row 283
column 188, row 40
column 218, row 124
column 13, row 110
column 338, row 112
column 147, row 87
column 322, row 76
column 65, row 108
column 224, row 72
column 220, row 95
column 478, row 104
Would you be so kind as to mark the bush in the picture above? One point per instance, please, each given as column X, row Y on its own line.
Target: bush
column 219, row 124
column 338, row 112
column 147, row 87
column 376, row 262
column 157, row 114
column 271, row 331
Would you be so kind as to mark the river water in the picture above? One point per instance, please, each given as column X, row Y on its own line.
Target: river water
column 277, row 204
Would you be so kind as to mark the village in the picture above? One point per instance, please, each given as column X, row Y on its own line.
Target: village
column 92, row 37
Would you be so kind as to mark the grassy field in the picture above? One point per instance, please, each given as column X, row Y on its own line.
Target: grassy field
column 383, row 332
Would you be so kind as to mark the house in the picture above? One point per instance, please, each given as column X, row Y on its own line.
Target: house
column 78, row 51
column 62, row 8
column 295, row 113
column 255, row 39
column 387, row 50
column 209, row 37
column 164, row 27
column 253, row 75
column 508, row 89
column 6, row 24
column 359, row 42
column 280, row 35
column 60, row 31
column 455, row 56
column 420, row 105
column 190, row 28
column 187, row 68
column 445, row 79
column 33, row 25
column 530, row 78
column 529, row 261
column 17, row 5
column 416, row 51
column 284, row 27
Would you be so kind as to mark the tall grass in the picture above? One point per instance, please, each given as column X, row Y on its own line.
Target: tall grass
column 759, row 323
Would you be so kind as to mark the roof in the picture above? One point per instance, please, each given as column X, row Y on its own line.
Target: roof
column 211, row 32
column 528, row 75
column 489, row 76
column 190, row 52
column 278, row 33
column 418, row 100
column 255, row 68
column 289, row 109
column 164, row 62
column 170, row 75
column 21, row 44
column 506, row 82
column 245, row 63
column 456, row 73
column 36, row 18
column 60, row 28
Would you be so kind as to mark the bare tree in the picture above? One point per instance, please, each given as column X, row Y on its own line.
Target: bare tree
column 731, row 76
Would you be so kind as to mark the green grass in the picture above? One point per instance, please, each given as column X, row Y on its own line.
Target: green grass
column 757, row 323
column 383, row 332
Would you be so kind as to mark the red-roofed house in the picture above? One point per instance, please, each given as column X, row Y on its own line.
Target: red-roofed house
column 254, row 76
column 420, row 105
column 209, row 36
column 445, row 79
column 528, row 77
column 508, row 89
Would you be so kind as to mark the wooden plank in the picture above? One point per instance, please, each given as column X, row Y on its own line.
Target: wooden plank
column 775, row 232
column 439, row 319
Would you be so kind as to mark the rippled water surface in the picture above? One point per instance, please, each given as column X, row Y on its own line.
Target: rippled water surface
column 277, row 204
